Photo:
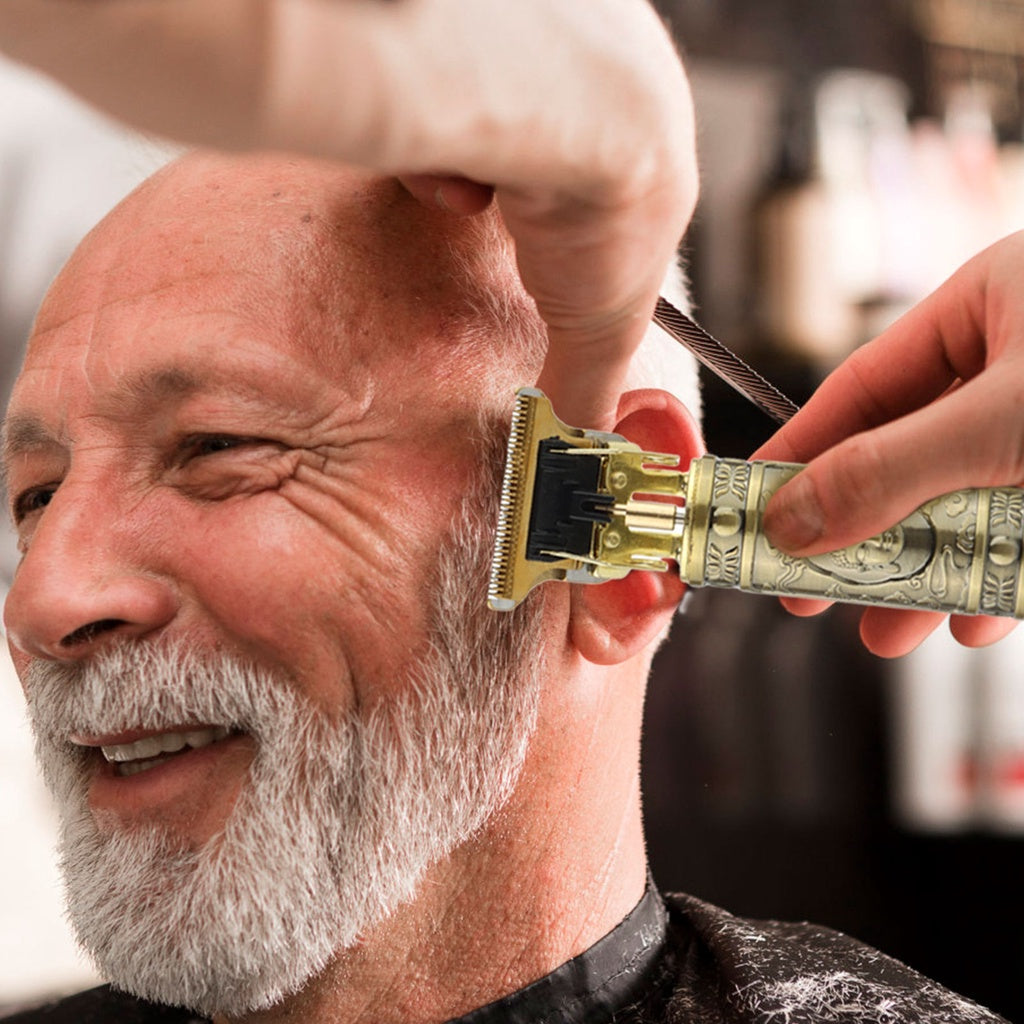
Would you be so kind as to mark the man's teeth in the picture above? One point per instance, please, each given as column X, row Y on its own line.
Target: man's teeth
column 131, row 758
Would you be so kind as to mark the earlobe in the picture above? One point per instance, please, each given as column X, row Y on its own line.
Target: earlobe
column 611, row 622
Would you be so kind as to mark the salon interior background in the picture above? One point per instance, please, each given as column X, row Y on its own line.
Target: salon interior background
column 853, row 152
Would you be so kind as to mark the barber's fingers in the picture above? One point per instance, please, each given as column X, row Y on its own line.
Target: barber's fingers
column 804, row 607
column 912, row 363
column 952, row 335
column 887, row 632
column 980, row 630
column 581, row 269
column 585, row 368
column 972, row 437
column 594, row 274
column 594, row 270
column 448, row 192
column 894, row 430
column 891, row 633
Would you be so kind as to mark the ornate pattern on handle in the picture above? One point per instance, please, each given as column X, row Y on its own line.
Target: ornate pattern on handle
column 960, row 553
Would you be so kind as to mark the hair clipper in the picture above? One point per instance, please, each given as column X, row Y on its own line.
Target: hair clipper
column 588, row 506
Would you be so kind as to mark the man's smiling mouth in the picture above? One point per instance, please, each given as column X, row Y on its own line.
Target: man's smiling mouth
column 142, row 754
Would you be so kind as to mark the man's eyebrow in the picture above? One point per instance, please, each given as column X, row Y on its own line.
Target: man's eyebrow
column 23, row 432
column 26, row 432
column 159, row 385
column 20, row 434
column 166, row 384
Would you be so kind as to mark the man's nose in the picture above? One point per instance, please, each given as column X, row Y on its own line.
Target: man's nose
column 85, row 579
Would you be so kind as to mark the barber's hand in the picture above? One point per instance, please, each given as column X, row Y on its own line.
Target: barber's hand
column 577, row 114
column 934, row 404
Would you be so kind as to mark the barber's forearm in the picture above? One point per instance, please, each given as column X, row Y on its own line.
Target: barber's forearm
column 496, row 91
column 509, row 93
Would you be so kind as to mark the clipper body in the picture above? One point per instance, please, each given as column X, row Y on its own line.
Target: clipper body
column 585, row 507
column 960, row 553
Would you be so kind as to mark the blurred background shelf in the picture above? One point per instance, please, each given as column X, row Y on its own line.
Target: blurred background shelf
column 853, row 154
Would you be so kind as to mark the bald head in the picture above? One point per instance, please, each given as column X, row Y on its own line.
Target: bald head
column 318, row 251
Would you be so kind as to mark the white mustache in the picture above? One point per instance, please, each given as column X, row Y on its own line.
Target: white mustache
column 141, row 686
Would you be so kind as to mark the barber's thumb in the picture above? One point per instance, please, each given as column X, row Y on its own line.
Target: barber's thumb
column 452, row 194
column 838, row 499
column 793, row 519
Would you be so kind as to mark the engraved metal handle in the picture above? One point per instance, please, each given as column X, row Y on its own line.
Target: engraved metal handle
column 959, row 553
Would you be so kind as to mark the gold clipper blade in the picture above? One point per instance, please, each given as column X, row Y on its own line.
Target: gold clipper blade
column 513, row 574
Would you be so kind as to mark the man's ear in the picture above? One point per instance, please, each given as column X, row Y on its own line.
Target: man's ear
column 611, row 622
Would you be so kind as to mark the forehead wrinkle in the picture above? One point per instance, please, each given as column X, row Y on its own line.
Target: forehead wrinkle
column 167, row 385
column 263, row 390
column 94, row 291
column 26, row 432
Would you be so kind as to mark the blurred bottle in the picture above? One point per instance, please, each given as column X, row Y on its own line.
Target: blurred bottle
column 960, row 184
column 958, row 737
column 935, row 715
column 797, row 302
column 838, row 227
column 1001, row 753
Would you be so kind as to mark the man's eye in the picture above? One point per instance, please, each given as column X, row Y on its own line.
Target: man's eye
column 33, row 500
column 211, row 444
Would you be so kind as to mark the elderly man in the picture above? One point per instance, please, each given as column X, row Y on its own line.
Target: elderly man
column 252, row 460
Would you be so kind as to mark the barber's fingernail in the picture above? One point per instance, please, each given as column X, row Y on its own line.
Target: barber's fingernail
column 795, row 520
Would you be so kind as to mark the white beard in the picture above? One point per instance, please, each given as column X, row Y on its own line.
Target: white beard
column 335, row 826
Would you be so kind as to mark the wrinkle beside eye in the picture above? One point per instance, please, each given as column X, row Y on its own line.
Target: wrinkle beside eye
column 245, row 470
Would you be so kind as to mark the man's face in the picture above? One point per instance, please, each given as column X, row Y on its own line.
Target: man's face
column 182, row 464
column 195, row 474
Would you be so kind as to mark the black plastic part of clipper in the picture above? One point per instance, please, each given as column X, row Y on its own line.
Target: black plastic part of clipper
column 566, row 502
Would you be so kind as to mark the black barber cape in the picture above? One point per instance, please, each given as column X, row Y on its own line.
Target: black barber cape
column 673, row 960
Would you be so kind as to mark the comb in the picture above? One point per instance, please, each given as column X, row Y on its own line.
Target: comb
column 723, row 361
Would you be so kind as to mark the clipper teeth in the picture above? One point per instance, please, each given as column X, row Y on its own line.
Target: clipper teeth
column 499, row 588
